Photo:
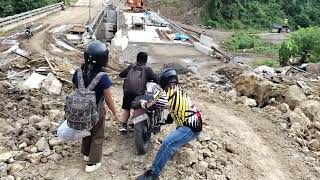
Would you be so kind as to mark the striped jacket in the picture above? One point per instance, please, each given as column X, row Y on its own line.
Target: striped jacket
column 181, row 108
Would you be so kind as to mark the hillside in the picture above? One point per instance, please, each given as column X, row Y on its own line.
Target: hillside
column 238, row 14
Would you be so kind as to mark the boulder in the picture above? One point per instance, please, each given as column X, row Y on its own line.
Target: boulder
column 55, row 157
column 17, row 167
column 294, row 96
column 5, row 156
column 52, row 85
column 7, row 178
column 298, row 120
column 311, row 108
column 313, row 68
column 247, row 101
column 206, row 152
column 187, row 157
column 265, row 71
column 34, row 81
column 255, row 87
column 42, row 144
column 211, row 163
column 3, row 169
column 314, row 133
column 55, row 142
column 44, row 124
column 4, row 85
column 34, row 158
column 5, row 127
column 316, row 125
column 23, row 145
column 298, row 116
column 284, row 108
column 314, row 145
column 46, row 153
column 232, row 94
column 55, row 114
column 201, row 167
column 33, row 149
column 35, row 119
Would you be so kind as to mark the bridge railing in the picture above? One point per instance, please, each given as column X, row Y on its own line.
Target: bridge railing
column 22, row 16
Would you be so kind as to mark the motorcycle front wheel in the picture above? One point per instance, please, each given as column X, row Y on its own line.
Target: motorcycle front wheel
column 142, row 137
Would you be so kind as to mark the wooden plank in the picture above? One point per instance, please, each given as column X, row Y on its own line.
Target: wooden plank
column 21, row 72
column 50, row 65
column 21, row 55
column 160, row 35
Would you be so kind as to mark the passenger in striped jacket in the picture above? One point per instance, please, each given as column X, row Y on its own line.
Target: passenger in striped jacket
column 182, row 112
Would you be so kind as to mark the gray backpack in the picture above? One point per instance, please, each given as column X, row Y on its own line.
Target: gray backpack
column 81, row 111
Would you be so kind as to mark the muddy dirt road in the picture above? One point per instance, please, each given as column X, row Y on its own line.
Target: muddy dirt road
column 257, row 148
column 237, row 142
column 70, row 16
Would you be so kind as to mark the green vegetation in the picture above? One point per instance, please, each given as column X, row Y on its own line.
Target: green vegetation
column 11, row 7
column 249, row 42
column 268, row 62
column 303, row 45
column 260, row 14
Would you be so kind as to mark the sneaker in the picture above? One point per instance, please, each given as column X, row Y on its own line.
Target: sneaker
column 123, row 127
column 148, row 175
column 86, row 158
column 92, row 167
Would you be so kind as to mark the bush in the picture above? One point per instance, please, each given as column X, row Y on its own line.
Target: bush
column 268, row 62
column 254, row 43
column 303, row 44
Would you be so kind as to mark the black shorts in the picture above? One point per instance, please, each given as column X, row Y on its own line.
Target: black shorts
column 127, row 100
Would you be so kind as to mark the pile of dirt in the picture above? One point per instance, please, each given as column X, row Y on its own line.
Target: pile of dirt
column 292, row 95
column 187, row 12
column 29, row 120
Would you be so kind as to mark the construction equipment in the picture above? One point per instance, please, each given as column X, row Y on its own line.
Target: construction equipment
column 137, row 5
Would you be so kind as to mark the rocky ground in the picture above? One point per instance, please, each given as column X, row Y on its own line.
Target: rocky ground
column 259, row 124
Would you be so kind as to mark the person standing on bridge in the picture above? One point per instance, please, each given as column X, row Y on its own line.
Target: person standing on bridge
column 96, row 57
column 182, row 112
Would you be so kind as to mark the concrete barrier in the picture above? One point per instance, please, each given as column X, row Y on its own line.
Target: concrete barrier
column 208, row 41
column 203, row 48
column 119, row 42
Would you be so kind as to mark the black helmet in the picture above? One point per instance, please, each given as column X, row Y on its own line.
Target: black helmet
column 168, row 76
column 96, row 53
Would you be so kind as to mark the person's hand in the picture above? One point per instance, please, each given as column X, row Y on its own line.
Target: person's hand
column 143, row 103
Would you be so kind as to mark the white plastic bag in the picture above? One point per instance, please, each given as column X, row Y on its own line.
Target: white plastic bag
column 65, row 133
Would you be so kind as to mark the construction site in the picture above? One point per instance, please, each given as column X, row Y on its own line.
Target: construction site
column 259, row 123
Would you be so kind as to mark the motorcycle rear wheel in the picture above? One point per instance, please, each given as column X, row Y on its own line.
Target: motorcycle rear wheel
column 142, row 137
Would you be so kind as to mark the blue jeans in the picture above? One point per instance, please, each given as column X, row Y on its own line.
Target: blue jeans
column 172, row 142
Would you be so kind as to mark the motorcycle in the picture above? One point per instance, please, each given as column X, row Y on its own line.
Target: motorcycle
column 145, row 121
column 28, row 33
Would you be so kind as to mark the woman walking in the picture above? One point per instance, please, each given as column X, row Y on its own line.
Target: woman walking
column 96, row 57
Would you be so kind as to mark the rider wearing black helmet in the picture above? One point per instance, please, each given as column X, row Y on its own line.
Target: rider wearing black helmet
column 96, row 56
column 183, row 113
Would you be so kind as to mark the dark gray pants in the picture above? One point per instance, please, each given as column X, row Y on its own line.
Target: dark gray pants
column 92, row 145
